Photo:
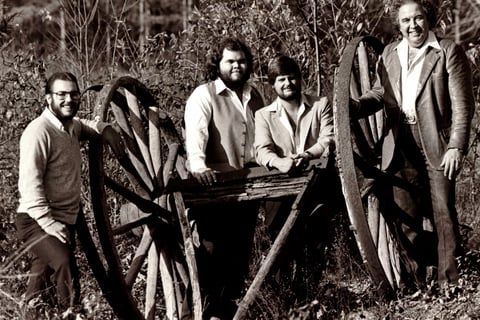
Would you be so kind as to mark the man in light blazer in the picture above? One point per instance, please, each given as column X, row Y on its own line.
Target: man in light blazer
column 424, row 85
column 292, row 130
column 295, row 127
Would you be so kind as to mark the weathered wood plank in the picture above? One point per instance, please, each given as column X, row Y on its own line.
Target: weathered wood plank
column 244, row 185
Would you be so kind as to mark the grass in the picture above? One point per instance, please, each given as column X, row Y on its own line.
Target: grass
column 343, row 292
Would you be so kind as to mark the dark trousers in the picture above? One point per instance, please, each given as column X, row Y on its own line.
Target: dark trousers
column 226, row 235
column 429, row 196
column 302, row 258
column 53, row 263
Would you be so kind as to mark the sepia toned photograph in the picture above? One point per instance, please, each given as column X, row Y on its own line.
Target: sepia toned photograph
column 239, row 160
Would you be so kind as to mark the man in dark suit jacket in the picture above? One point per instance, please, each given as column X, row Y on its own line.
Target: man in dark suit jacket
column 424, row 85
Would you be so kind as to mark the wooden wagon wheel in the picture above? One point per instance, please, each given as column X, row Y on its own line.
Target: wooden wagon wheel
column 358, row 142
column 154, row 151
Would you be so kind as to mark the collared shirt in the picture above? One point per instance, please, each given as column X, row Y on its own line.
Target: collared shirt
column 411, row 73
column 273, row 139
column 198, row 114
column 50, row 167
column 57, row 123
column 294, row 135
column 69, row 127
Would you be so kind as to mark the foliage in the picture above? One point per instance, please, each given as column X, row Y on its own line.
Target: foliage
column 20, row 76
column 5, row 29
column 101, row 44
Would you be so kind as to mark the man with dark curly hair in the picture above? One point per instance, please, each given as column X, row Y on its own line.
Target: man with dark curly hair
column 425, row 87
column 219, row 132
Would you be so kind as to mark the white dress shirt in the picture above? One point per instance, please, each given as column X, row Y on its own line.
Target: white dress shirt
column 282, row 114
column 411, row 73
column 198, row 112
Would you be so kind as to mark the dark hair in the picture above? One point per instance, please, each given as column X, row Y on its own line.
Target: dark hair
column 282, row 65
column 427, row 6
column 67, row 76
column 233, row 44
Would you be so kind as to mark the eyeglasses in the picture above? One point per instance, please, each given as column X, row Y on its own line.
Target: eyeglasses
column 74, row 95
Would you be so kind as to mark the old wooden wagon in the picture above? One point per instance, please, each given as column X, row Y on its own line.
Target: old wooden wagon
column 151, row 189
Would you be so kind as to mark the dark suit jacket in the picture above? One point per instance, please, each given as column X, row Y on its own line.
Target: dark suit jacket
column 272, row 139
column 444, row 103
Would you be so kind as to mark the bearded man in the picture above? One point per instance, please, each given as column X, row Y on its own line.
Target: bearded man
column 219, row 133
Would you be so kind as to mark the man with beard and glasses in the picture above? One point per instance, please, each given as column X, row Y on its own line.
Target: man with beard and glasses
column 290, row 132
column 219, row 134
column 424, row 85
column 50, row 185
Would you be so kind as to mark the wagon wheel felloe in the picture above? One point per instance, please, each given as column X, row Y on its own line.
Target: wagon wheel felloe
column 154, row 153
column 357, row 147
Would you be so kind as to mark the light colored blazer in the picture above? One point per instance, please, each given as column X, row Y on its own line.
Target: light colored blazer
column 272, row 139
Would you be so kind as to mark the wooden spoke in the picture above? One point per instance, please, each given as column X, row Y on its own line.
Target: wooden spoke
column 358, row 148
column 141, row 203
column 137, row 124
column 157, row 272
column 155, row 143
column 149, row 258
column 151, row 287
column 138, row 259
column 134, row 164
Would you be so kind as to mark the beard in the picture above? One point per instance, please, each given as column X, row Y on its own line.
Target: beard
column 290, row 97
column 62, row 114
column 295, row 93
column 234, row 84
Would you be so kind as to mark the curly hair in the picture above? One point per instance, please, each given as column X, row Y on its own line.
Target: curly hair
column 427, row 6
column 233, row 44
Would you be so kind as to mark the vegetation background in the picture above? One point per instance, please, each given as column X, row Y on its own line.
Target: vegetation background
column 163, row 44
